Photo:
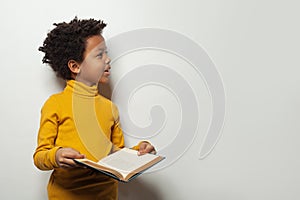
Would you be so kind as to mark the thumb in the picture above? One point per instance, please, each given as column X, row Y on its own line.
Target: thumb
column 142, row 148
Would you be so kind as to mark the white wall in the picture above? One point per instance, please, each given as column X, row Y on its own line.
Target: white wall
column 254, row 45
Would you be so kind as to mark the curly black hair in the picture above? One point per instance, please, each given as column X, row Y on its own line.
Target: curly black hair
column 67, row 41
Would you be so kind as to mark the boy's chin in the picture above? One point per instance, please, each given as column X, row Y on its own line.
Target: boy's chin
column 103, row 81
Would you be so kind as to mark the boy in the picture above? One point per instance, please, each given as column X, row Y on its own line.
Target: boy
column 78, row 122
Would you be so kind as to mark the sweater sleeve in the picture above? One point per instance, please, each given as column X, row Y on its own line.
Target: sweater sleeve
column 117, row 137
column 44, row 156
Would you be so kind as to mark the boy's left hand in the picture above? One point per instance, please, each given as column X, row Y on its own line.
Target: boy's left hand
column 146, row 147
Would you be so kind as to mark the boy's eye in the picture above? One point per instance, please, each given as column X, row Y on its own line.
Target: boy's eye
column 101, row 54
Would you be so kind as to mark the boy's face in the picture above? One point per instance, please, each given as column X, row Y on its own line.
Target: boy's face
column 95, row 66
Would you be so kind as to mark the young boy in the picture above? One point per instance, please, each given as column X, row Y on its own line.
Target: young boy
column 78, row 122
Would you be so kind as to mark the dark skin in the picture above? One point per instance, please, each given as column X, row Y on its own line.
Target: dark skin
column 84, row 72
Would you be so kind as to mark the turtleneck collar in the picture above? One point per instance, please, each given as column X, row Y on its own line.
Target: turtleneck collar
column 81, row 89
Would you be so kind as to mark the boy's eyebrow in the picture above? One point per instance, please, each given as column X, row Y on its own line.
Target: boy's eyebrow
column 102, row 48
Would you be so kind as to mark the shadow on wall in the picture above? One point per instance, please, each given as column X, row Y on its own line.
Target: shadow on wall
column 137, row 190
column 42, row 183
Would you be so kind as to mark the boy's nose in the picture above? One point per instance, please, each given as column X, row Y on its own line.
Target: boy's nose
column 107, row 60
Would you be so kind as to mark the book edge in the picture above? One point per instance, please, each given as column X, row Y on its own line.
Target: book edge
column 143, row 168
column 101, row 168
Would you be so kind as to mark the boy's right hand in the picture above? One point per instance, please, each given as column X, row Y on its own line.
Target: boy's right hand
column 64, row 157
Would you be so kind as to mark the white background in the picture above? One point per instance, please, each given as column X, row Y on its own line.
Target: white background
column 255, row 46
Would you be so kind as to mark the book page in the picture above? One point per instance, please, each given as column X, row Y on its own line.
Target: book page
column 126, row 160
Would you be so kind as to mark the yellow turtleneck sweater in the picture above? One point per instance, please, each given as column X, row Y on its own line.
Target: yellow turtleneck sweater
column 82, row 119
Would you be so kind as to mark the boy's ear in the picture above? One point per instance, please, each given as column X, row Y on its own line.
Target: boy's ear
column 74, row 66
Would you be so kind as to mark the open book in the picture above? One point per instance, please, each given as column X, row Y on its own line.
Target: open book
column 123, row 165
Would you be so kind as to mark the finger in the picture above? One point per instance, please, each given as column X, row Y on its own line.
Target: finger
column 62, row 165
column 143, row 146
column 153, row 152
column 68, row 163
column 148, row 149
column 71, row 154
column 72, row 164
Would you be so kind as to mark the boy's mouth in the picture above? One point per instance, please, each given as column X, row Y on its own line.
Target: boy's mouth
column 107, row 72
column 107, row 69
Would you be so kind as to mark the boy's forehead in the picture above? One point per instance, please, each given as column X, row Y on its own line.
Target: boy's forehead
column 95, row 43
